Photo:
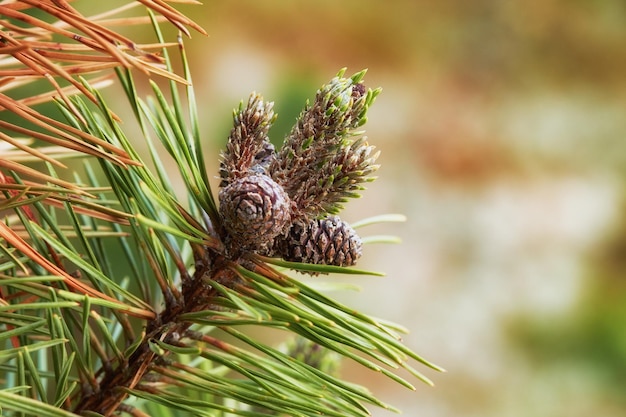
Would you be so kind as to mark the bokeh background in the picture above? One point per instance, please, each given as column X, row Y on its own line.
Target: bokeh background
column 501, row 126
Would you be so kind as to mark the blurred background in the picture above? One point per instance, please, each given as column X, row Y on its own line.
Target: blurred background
column 501, row 126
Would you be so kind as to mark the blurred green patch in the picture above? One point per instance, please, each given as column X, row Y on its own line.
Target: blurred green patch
column 591, row 338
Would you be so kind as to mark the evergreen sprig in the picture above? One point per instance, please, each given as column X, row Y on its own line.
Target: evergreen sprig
column 117, row 298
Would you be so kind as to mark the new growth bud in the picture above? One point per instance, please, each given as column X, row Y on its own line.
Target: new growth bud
column 320, row 162
column 248, row 149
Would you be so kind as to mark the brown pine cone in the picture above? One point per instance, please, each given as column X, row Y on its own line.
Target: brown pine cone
column 327, row 241
column 255, row 209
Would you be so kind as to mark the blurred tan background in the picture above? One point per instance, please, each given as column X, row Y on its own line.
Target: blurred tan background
column 502, row 127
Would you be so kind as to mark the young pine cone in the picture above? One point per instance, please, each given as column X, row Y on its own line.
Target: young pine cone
column 328, row 241
column 255, row 210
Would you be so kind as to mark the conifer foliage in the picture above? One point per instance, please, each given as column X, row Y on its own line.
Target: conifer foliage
column 118, row 298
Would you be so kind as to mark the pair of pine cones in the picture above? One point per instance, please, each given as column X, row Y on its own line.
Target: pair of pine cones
column 284, row 203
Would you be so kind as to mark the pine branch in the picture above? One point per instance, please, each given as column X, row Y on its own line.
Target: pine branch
column 86, row 261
